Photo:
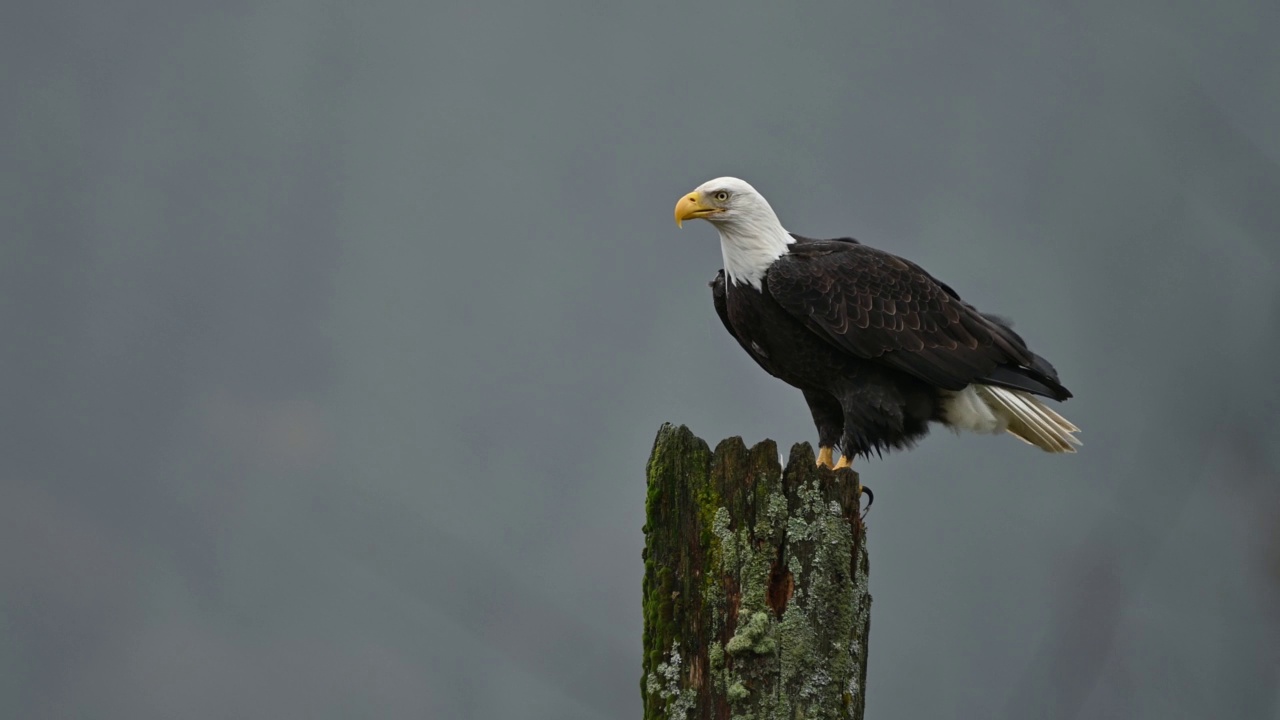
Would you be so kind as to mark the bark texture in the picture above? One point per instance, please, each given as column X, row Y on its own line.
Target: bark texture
column 756, row 604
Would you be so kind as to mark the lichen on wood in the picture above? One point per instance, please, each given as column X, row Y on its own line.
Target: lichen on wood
column 756, row 604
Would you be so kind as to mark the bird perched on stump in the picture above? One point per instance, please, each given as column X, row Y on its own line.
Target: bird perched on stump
column 879, row 347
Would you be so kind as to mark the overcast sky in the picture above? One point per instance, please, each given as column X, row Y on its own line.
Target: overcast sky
column 336, row 337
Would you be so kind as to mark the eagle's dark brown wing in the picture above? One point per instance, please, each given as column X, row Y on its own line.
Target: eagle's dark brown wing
column 721, row 302
column 720, row 299
column 880, row 307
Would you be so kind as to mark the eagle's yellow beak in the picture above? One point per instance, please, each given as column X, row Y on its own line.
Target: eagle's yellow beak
column 693, row 206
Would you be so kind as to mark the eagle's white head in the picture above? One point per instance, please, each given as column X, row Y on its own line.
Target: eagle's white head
column 751, row 236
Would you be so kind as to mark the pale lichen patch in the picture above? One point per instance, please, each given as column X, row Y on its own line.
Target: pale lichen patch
column 665, row 683
column 728, row 541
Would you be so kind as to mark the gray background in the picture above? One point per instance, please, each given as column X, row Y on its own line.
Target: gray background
column 335, row 337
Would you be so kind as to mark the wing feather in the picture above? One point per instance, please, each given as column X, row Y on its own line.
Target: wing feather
column 878, row 306
column 720, row 300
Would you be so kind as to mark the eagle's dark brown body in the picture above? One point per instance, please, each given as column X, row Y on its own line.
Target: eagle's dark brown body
column 875, row 343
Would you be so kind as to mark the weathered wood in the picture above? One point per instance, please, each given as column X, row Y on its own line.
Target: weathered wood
column 755, row 587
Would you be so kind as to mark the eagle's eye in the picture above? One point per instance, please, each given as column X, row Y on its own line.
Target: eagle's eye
column 721, row 196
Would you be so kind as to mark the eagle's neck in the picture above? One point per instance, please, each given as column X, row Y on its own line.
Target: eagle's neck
column 750, row 245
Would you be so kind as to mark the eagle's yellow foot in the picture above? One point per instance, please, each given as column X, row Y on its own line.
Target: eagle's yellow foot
column 844, row 462
column 824, row 457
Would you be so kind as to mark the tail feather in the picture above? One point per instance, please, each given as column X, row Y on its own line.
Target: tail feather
column 1030, row 420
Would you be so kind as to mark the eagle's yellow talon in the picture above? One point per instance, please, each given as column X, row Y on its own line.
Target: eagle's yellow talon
column 844, row 462
column 824, row 457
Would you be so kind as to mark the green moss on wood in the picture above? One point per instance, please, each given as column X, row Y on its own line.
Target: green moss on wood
column 755, row 592
column 756, row 636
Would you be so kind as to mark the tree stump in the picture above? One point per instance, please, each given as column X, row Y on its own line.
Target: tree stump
column 755, row 586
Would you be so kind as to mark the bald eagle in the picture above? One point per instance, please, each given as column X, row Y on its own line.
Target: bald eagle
column 879, row 347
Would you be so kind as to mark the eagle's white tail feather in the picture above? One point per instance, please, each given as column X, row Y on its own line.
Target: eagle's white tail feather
column 1026, row 424
column 1047, row 415
column 1031, row 420
column 989, row 409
